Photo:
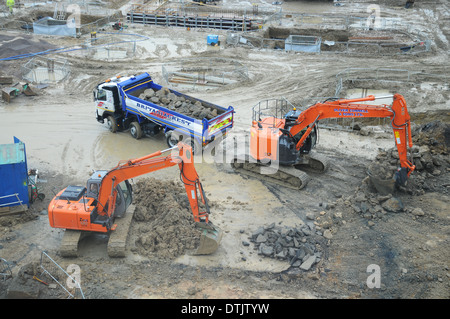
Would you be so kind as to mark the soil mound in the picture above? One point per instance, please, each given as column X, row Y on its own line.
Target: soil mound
column 11, row 46
column 163, row 222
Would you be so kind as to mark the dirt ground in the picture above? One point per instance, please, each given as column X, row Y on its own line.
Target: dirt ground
column 405, row 234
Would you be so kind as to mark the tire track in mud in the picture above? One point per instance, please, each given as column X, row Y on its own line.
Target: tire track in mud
column 97, row 156
column 64, row 163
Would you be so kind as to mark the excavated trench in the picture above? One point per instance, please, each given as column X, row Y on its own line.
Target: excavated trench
column 200, row 73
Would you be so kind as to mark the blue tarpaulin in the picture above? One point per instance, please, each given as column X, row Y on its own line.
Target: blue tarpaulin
column 51, row 26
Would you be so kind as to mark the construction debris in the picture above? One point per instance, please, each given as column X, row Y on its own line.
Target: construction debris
column 6, row 80
column 430, row 156
column 302, row 246
column 199, row 79
column 8, row 93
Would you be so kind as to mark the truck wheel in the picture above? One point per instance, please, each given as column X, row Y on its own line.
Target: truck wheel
column 112, row 124
column 196, row 149
column 171, row 140
column 135, row 130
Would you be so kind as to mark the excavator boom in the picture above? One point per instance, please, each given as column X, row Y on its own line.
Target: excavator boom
column 150, row 163
column 400, row 121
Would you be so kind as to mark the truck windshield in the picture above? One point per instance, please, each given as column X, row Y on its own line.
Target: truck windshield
column 101, row 95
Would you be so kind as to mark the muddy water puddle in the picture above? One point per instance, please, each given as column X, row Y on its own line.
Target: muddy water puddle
column 111, row 148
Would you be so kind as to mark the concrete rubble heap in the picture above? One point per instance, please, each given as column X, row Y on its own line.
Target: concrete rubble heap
column 430, row 157
column 301, row 246
column 179, row 104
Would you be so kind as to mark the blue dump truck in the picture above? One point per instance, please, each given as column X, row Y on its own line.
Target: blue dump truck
column 137, row 104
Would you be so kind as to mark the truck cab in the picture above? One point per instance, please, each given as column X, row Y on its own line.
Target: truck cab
column 108, row 102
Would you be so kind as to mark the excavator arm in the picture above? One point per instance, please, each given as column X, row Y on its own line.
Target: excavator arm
column 150, row 163
column 352, row 108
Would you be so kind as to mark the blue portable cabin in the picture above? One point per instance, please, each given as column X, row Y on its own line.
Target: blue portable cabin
column 212, row 40
column 203, row 131
column 13, row 175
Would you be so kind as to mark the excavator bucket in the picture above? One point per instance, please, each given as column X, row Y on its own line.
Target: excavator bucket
column 383, row 186
column 209, row 239
column 27, row 90
column 9, row 93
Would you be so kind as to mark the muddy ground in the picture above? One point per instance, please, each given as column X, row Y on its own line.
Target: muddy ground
column 350, row 225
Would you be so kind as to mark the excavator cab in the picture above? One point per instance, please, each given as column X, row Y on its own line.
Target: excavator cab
column 124, row 191
column 290, row 121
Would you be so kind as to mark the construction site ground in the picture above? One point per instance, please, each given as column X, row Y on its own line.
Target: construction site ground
column 410, row 244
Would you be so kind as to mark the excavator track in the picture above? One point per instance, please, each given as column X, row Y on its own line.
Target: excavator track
column 317, row 162
column 286, row 176
column 118, row 238
column 69, row 243
column 116, row 243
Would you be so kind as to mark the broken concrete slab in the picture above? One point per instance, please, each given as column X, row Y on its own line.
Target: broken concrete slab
column 306, row 265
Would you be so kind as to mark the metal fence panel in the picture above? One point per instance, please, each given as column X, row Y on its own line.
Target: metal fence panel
column 65, row 281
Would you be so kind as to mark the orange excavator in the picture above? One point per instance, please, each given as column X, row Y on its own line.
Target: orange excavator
column 279, row 145
column 105, row 204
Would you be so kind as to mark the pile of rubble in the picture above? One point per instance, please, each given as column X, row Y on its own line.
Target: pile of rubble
column 432, row 166
column 179, row 104
column 429, row 155
column 302, row 246
column 435, row 135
